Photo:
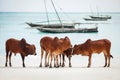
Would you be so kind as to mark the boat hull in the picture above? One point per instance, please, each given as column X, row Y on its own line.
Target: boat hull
column 95, row 19
column 68, row 30
column 51, row 25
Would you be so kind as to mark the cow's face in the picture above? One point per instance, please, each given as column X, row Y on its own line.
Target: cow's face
column 31, row 49
column 74, row 49
column 77, row 49
column 68, row 52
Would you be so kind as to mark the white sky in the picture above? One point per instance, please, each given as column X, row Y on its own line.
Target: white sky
column 66, row 5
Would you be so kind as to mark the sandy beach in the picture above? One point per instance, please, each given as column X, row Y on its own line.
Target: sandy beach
column 78, row 71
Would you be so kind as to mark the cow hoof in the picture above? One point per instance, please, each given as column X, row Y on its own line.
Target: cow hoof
column 40, row 65
column 88, row 66
column 50, row 67
column 10, row 65
column 24, row 66
column 5, row 64
column 46, row 65
column 63, row 65
column 105, row 65
column 108, row 66
column 57, row 66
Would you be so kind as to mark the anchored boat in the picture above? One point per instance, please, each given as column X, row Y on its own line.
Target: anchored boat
column 68, row 30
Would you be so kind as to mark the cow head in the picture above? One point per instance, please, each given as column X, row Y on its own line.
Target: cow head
column 30, row 49
column 27, row 48
column 77, row 49
column 68, row 52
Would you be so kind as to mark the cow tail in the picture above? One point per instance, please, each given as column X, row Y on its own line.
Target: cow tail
column 111, row 56
column 7, row 49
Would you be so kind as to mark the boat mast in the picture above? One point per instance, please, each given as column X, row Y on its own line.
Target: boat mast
column 91, row 10
column 97, row 11
column 46, row 12
column 57, row 14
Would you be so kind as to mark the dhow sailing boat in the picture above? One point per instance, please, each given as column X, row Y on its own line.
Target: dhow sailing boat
column 59, row 27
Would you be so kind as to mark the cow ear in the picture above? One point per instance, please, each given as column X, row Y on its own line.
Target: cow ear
column 66, row 37
column 56, row 38
column 88, row 41
column 23, row 40
column 75, row 45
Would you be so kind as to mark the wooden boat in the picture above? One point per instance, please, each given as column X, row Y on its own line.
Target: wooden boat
column 101, row 17
column 68, row 30
column 95, row 19
column 65, row 25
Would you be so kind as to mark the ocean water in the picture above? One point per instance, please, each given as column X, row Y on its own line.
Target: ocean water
column 12, row 25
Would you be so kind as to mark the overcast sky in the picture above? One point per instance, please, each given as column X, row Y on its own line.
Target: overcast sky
column 65, row 5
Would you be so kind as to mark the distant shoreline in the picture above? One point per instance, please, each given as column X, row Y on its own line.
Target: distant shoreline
column 62, row 12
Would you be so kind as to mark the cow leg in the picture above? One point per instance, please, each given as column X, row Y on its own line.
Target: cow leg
column 63, row 59
column 23, row 58
column 48, row 59
column 108, row 56
column 6, row 58
column 60, row 59
column 46, row 55
column 70, row 61
column 51, row 57
column 42, row 51
column 89, row 61
column 10, row 59
column 105, row 60
column 54, row 61
column 57, row 65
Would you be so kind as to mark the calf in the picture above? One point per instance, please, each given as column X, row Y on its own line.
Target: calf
column 57, row 48
column 97, row 46
column 18, row 46
column 45, row 44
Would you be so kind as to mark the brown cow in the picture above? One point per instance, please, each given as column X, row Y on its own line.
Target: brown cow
column 45, row 44
column 57, row 48
column 18, row 46
column 97, row 46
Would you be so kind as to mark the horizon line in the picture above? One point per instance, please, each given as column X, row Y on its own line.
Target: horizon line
column 60, row 12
